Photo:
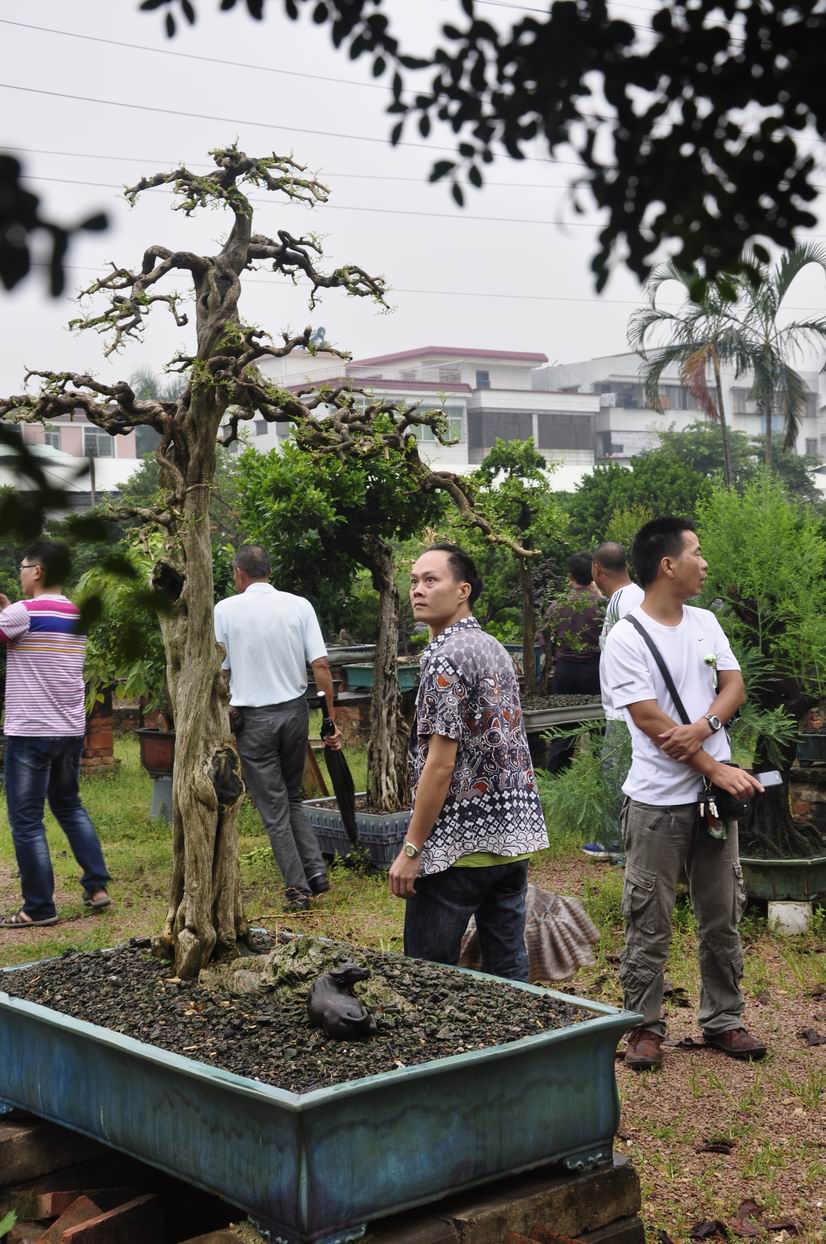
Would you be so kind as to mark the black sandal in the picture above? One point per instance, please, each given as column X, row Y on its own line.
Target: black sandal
column 21, row 921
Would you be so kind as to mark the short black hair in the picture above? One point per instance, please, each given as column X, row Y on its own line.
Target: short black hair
column 462, row 566
column 611, row 556
column 579, row 568
column 54, row 557
column 254, row 561
column 662, row 537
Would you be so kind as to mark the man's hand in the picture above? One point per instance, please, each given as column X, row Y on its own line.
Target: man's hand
column 333, row 741
column 4, row 601
column 736, row 781
column 681, row 742
column 403, row 874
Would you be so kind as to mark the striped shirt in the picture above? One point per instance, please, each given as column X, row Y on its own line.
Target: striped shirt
column 44, row 668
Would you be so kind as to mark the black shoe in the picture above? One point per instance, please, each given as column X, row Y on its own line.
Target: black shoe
column 319, row 884
column 296, row 899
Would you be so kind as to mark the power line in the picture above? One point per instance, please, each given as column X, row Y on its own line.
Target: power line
column 96, row 155
column 453, row 293
column 211, row 60
column 357, row 207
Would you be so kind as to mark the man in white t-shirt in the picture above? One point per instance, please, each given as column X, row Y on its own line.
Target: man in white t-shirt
column 661, row 825
column 269, row 639
column 609, row 568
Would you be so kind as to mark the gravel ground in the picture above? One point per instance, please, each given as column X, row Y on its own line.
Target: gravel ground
column 267, row 1036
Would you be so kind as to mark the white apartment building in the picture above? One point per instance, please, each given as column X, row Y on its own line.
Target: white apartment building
column 485, row 395
column 625, row 426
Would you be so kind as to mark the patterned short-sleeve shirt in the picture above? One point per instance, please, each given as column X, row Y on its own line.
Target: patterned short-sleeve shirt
column 468, row 691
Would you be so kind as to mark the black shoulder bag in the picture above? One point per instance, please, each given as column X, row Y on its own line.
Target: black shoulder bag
column 716, row 805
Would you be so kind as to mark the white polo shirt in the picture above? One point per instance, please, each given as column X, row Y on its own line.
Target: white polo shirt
column 270, row 637
column 632, row 675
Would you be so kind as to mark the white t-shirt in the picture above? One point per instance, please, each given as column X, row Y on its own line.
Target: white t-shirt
column 631, row 675
column 269, row 637
column 622, row 602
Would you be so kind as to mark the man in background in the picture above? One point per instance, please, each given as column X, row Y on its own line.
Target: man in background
column 476, row 813
column 574, row 623
column 269, row 638
column 610, row 574
column 44, row 728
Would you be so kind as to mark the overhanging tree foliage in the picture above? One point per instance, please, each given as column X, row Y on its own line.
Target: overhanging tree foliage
column 694, row 133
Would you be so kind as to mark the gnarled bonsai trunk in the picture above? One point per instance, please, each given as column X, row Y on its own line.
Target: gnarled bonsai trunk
column 205, row 918
column 387, row 778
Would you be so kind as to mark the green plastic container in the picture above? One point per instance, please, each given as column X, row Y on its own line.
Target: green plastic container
column 799, row 881
column 362, row 676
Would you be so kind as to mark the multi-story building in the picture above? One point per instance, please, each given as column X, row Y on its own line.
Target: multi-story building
column 625, row 425
column 485, row 395
column 65, row 444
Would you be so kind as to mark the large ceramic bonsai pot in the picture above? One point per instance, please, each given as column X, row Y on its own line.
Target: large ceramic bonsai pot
column 799, row 881
column 318, row 1166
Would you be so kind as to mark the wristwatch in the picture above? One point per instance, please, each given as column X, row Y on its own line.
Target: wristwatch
column 411, row 850
column 715, row 722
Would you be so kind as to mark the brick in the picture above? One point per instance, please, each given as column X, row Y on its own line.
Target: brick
column 51, row 1204
column 28, row 1150
column 137, row 1222
column 413, row 1228
column 81, row 1210
column 575, row 1204
column 110, row 1170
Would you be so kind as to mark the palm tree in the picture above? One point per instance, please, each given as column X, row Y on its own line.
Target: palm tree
column 701, row 333
column 778, row 388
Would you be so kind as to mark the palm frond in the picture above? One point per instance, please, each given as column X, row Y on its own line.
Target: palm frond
column 693, row 375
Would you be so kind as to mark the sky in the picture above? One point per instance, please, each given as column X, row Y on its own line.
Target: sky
column 500, row 274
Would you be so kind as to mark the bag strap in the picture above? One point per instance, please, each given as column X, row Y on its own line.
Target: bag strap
column 663, row 668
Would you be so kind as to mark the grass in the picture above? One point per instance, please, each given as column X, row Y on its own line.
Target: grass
column 771, row 1112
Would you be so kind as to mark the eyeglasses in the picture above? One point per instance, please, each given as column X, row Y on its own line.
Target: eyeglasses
column 28, row 565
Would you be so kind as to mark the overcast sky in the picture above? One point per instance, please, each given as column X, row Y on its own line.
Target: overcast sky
column 485, row 277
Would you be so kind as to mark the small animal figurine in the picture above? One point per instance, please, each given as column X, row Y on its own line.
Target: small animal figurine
column 333, row 1007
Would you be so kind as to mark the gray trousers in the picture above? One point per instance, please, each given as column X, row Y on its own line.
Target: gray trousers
column 272, row 745
column 659, row 843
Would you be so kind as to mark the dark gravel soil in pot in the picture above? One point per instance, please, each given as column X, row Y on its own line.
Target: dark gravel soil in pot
column 250, row 1016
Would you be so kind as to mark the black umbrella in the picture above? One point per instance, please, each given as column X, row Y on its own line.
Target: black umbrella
column 340, row 776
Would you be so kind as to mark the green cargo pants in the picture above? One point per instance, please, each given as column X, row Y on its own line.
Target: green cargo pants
column 659, row 843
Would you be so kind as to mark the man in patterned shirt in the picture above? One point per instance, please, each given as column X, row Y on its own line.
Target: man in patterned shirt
column 476, row 813
column 44, row 728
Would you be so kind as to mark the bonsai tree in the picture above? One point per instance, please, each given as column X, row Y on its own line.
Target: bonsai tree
column 515, row 492
column 205, row 916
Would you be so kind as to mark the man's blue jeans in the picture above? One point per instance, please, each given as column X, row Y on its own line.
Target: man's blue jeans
column 37, row 769
column 437, row 916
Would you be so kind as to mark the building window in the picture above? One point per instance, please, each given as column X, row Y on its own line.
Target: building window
column 450, row 375
column 811, row 444
column 261, row 427
column 483, row 380
column 97, row 444
column 53, row 437
column 453, row 414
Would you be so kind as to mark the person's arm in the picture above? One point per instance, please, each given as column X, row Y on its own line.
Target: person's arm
column 680, row 742
column 650, row 718
column 431, row 793
column 14, row 619
column 323, row 679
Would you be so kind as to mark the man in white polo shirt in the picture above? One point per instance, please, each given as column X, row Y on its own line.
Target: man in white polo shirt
column 270, row 638
column 663, row 829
